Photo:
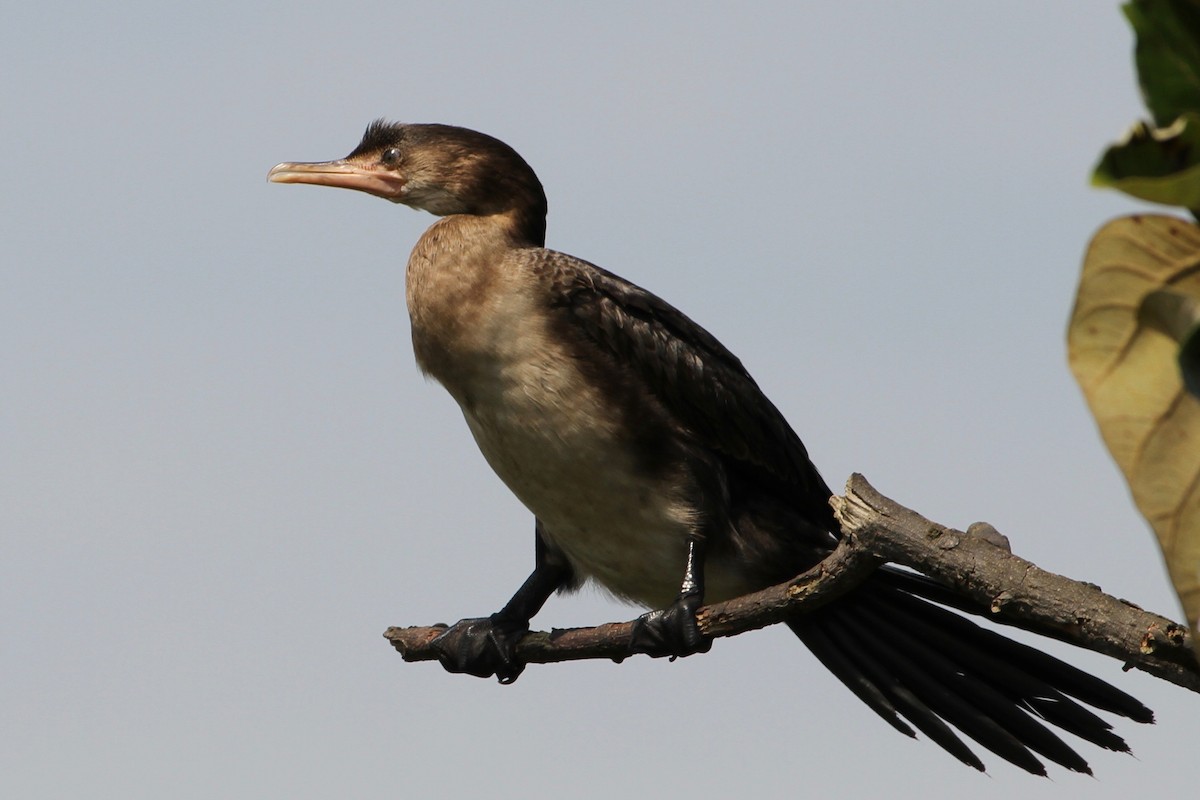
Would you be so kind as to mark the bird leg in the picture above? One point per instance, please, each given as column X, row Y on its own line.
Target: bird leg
column 486, row 646
column 672, row 631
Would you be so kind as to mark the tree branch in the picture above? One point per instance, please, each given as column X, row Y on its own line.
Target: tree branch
column 982, row 575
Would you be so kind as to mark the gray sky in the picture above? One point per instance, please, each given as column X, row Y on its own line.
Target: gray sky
column 221, row 476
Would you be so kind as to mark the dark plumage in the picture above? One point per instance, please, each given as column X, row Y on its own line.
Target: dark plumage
column 655, row 466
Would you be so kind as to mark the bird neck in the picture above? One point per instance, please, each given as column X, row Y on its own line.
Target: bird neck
column 510, row 203
column 456, row 234
column 463, row 272
column 523, row 223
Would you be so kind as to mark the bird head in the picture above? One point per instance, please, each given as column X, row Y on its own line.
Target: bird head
column 441, row 169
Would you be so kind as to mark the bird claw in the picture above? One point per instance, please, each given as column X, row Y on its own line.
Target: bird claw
column 671, row 632
column 483, row 646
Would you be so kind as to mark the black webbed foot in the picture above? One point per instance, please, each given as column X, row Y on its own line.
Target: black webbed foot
column 670, row 631
column 482, row 647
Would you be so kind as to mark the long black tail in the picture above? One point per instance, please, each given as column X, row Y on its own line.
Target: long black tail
column 909, row 659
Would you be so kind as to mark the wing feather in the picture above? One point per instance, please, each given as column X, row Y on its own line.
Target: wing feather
column 703, row 386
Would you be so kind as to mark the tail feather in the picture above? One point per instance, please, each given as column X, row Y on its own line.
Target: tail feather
column 1027, row 690
column 1070, row 680
column 842, row 656
column 908, row 658
column 840, row 664
column 981, row 698
column 967, row 713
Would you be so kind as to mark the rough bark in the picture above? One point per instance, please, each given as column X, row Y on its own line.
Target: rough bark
column 982, row 576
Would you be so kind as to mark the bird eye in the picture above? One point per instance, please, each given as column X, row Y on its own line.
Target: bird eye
column 390, row 157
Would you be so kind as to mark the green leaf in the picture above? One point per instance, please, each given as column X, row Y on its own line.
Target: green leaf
column 1161, row 165
column 1177, row 314
column 1189, row 361
column 1138, row 299
column 1167, row 55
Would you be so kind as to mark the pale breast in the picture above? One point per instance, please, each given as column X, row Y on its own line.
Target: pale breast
column 564, row 453
column 483, row 330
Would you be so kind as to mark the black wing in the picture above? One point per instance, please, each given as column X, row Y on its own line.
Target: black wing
column 702, row 385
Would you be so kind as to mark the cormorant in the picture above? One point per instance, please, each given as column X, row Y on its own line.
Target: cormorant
column 655, row 466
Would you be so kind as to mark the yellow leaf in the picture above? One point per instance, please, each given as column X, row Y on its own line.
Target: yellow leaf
column 1141, row 276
